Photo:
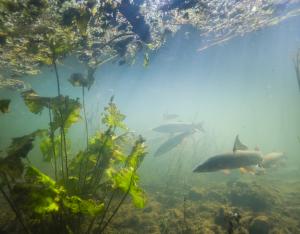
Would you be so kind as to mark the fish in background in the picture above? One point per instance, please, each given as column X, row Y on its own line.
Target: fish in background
column 274, row 160
column 167, row 116
column 172, row 142
column 240, row 158
column 173, row 128
column 297, row 67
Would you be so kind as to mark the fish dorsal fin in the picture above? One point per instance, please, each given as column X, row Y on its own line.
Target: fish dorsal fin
column 238, row 145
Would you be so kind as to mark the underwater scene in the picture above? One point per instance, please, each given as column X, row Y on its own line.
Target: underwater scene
column 150, row 116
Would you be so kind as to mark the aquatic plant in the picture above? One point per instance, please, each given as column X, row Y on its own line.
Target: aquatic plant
column 36, row 33
column 79, row 80
column 88, row 189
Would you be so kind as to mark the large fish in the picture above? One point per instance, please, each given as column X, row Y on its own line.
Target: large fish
column 171, row 143
column 178, row 127
column 240, row 157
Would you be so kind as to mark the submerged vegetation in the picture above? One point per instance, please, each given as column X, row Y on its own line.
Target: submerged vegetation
column 37, row 33
column 88, row 188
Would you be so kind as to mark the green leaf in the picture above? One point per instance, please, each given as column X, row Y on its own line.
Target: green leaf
column 126, row 180
column 80, row 206
column 66, row 112
column 78, row 80
column 82, row 22
column 146, row 60
column 137, row 154
column 34, row 102
column 113, row 118
column 47, row 148
column 39, row 194
column 12, row 164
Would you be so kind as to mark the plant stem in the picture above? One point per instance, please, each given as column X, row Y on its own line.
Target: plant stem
column 86, row 123
column 95, row 174
column 118, row 206
column 66, row 154
column 52, row 143
column 62, row 130
column 15, row 210
column 62, row 135
column 87, row 135
column 56, row 74
column 61, row 156
column 107, row 207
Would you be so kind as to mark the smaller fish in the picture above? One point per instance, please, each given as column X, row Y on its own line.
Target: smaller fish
column 173, row 128
column 4, row 105
column 171, row 143
column 297, row 68
column 170, row 116
column 273, row 159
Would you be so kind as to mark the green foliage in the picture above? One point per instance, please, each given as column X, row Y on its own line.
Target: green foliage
column 12, row 166
column 4, row 105
column 40, row 195
column 105, row 154
column 61, row 41
column 46, row 147
column 66, row 111
column 137, row 154
column 146, row 60
column 126, row 178
column 104, row 167
column 113, row 117
column 78, row 205
column 78, row 80
column 34, row 102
